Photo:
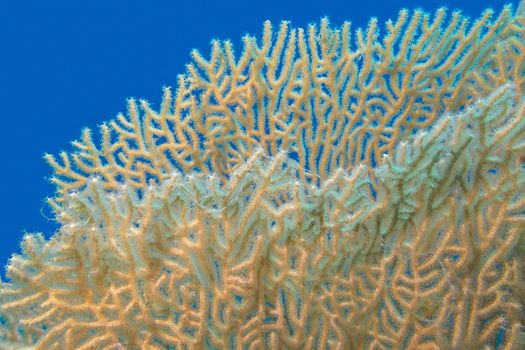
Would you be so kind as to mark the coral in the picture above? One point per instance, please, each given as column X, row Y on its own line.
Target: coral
column 308, row 195
column 308, row 92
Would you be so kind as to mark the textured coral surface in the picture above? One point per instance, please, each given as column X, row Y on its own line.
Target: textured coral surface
column 324, row 190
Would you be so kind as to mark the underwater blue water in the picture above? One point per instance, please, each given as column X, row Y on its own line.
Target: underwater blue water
column 65, row 65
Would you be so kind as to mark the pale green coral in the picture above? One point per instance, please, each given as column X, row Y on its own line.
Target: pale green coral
column 240, row 249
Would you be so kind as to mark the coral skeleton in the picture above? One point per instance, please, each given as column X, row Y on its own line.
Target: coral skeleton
column 326, row 189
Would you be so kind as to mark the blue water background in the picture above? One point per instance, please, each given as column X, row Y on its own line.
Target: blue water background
column 65, row 65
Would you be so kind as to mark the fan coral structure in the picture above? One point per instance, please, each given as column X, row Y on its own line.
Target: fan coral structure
column 324, row 190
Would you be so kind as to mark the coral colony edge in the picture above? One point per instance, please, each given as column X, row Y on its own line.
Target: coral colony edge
column 325, row 189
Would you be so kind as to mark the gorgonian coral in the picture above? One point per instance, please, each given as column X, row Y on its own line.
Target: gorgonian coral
column 307, row 195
